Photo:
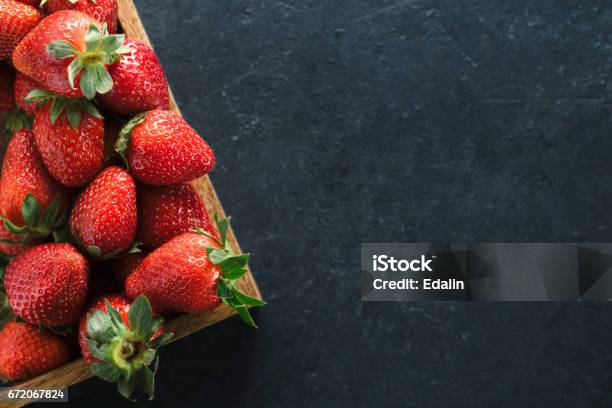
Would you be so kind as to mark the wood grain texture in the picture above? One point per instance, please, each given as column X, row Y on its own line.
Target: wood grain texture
column 77, row 371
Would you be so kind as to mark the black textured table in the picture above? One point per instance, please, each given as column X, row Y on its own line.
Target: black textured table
column 349, row 121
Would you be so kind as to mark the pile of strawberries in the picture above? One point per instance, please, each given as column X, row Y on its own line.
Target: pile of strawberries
column 101, row 232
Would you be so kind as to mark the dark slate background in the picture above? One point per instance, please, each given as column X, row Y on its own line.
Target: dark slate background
column 349, row 121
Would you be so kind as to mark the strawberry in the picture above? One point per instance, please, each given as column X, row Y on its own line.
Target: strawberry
column 167, row 211
column 120, row 340
column 47, row 284
column 140, row 83
column 30, row 200
column 103, row 220
column 193, row 272
column 105, row 11
column 16, row 20
column 27, row 351
column 7, row 82
column 123, row 266
column 162, row 149
column 33, row 3
column 69, row 135
column 23, row 87
column 68, row 54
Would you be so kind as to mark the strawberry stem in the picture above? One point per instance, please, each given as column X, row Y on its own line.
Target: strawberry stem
column 233, row 267
column 123, row 141
column 101, row 49
column 36, row 225
column 73, row 107
column 127, row 352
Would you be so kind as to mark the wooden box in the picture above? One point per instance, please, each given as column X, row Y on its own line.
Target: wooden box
column 77, row 371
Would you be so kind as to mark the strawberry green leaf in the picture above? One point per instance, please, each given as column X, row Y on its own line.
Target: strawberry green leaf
column 246, row 299
column 223, row 291
column 57, row 108
column 156, row 323
column 88, row 82
column 104, row 82
column 51, row 212
column 161, row 340
column 155, row 365
column 62, row 49
column 89, row 107
column 74, row 115
column 208, row 234
column 39, row 96
column 112, row 43
column 234, row 274
column 245, row 315
column 99, row 351
column 74, row 69
column 140, row 316
column 148, row 356
column 126, row 385
column 123, row 140
column 145, row 381
column 99, row 327
column 93, row 38
column 115, row 319
column 106, row 371
column 222, row 226
column 17, row 119
column 233, row 262
column 30, row 209
column 12, row 227
column 217, row 256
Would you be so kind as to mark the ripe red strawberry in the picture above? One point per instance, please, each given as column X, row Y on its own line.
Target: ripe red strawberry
column 103, row 219
column 71, row 144
column 23, row 87
column 178, row 275
column 140, row 83
column 26, row 184
column 68, row 54
column 191, row 273
column 16, row 20
column 162, row 149
column 123, row 266
column 167, row 211
column 47, row 284
column 120, row 341
column 27, row 351
column 7, row 82
column 105, row 11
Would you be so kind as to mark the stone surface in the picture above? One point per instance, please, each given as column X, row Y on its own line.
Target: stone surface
column 349, row 121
